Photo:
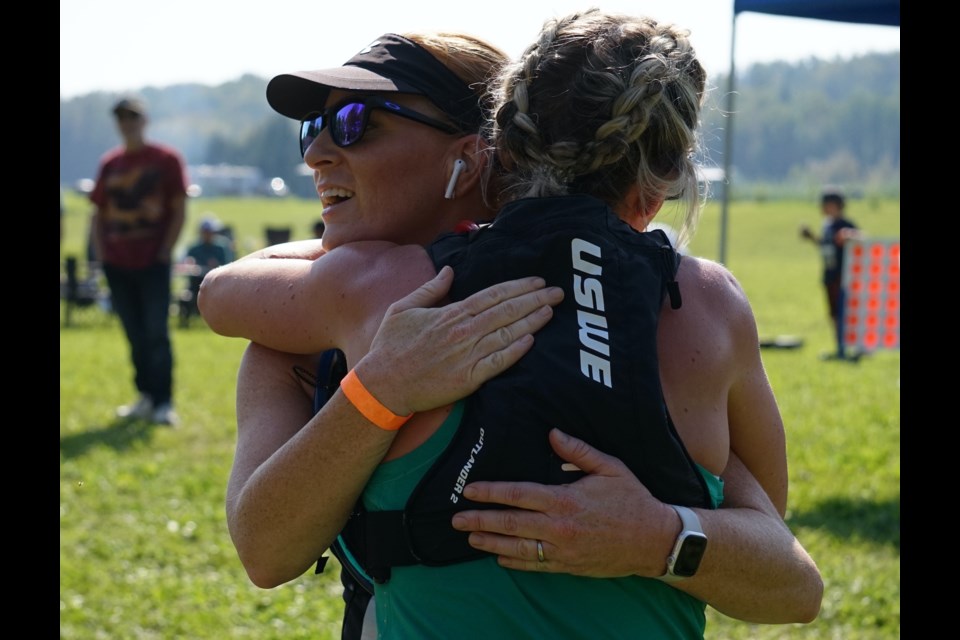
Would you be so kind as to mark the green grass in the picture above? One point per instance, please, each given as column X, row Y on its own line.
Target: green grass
column 144, row 550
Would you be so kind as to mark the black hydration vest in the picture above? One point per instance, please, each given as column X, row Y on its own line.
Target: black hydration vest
column 593, row 373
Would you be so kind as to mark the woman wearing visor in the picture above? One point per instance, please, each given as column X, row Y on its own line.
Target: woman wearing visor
column 293, row 486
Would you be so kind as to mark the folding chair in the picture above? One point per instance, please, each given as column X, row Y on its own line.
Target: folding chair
column 77, row 293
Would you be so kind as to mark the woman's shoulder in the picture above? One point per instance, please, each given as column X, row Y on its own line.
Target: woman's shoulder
column 715, row 325
column 373, row 274
column 375, row 258
column 708, row 273
column 362, row 256
column 378, row 247
column 711, row 286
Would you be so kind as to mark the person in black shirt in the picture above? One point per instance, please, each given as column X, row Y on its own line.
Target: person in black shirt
column 836, row 232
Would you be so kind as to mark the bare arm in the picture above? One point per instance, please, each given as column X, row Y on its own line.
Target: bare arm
column 298, row 249
column 295, row 478
column 607, row 524
column 305, row 306
column 754, row 569
column 756, row 561
column 807, row 233
column 755, row 425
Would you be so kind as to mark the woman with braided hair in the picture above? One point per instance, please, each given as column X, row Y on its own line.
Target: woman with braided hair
column 649, row 358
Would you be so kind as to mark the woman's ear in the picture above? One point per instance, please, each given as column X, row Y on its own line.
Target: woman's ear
column 465, row 168
column 650, row 210
column 637, row 211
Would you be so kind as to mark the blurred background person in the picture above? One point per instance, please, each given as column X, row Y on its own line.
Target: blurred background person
column 140, row 202
column 213, row 248
column 837, row 230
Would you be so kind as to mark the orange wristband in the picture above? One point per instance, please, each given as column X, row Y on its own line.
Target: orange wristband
column 369, row 406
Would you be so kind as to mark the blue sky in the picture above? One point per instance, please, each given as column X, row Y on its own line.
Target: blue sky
column 122, row 45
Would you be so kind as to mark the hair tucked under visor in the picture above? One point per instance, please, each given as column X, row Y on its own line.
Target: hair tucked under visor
column 599, row 102
column 451, row 70
column 476, row 62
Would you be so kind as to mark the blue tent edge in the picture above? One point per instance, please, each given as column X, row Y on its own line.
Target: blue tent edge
column 882, row 12
column 879, row 12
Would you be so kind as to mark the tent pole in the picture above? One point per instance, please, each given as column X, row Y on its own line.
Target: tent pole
column 728, row 145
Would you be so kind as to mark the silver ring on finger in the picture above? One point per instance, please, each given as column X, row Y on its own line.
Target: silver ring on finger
column 540, row 557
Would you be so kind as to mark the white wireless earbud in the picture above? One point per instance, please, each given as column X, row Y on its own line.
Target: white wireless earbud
column 458, row 167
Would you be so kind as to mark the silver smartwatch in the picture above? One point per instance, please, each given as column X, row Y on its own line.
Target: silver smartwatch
column 688, row 550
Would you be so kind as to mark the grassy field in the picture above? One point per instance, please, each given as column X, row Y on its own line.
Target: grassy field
column 144, row 550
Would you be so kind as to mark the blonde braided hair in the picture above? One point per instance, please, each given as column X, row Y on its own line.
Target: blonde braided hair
column 598, row 102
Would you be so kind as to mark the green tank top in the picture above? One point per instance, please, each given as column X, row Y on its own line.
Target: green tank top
column 482, row 600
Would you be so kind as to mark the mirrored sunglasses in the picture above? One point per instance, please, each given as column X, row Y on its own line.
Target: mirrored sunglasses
column 348, row 120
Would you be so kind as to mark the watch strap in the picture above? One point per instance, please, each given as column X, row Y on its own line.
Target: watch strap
column 689, row 522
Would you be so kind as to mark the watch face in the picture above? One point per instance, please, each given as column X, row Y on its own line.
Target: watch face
column 690, row 554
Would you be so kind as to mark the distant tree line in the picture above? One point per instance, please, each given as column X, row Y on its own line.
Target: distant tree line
column 813, row 123
column 796, row 126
